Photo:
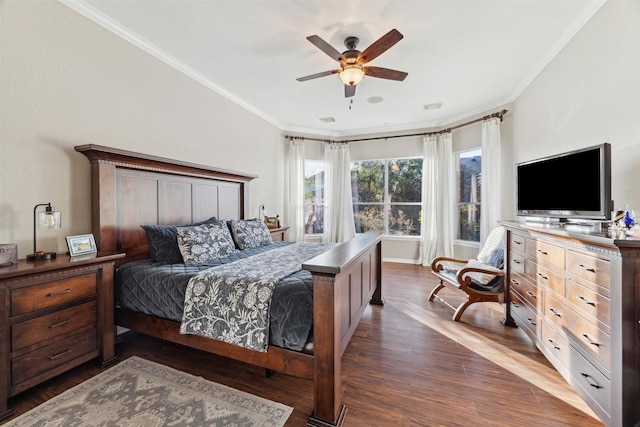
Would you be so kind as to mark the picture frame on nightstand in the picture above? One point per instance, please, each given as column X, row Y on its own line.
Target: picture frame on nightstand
column 81, row 244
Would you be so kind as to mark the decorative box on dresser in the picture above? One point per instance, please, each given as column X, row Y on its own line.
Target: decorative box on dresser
column 575, row 291
column 57, row 314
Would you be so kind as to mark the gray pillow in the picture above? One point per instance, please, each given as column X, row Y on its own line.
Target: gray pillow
column 202, row 243
column 163, row 243
column 250, row 233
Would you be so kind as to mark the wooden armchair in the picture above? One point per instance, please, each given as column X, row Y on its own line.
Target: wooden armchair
column 480, row 279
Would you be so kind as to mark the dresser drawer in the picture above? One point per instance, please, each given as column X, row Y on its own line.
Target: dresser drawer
column 591, row 381
column 594, row 306
column 588, row 267
column 555, row 344
column 546, row 252
column 527, row 290
column 42, row 328
column 516, row 263
column 576, row 328
column 543, row 276
column 50, row 294
column 517, row 243
column 525, row 316
column 37, row 362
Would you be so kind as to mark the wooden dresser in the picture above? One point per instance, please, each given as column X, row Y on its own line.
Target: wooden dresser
column 576, row 293
column 57, row 314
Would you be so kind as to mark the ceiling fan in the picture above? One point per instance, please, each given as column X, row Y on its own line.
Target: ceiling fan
column 352, row 69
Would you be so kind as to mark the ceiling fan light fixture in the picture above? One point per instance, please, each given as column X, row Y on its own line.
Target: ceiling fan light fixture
column 351, row 75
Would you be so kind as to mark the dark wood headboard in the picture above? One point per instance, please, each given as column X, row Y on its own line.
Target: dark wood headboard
column 130, row 189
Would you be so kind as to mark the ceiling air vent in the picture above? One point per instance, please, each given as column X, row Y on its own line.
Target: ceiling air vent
column 328, row 120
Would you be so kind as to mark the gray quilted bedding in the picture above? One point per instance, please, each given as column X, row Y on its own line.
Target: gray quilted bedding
column 158, row 290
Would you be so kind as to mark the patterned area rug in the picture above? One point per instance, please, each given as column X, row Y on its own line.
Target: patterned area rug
column 137, row 392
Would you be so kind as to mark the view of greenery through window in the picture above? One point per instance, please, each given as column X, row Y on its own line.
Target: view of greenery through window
column 468, row 195
column 387, row 195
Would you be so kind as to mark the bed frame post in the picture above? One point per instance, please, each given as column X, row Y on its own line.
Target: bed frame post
column 327, row 407
column 345, row 280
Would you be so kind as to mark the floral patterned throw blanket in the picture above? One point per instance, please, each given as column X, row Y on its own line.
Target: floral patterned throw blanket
column 231, row 302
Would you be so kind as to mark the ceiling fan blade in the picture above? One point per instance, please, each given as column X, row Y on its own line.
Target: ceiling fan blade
column 315, row 76
column 349, row 91
column 325, row 47
column 380, row 46
column 385, row 73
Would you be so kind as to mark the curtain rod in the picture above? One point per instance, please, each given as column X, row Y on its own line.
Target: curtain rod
column 497, row 114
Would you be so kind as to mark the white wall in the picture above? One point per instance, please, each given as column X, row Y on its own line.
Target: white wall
column 66, row 81
column 589, row 94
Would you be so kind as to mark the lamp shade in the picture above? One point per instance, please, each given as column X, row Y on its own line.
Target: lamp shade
column 50, row 218
column 351, row 75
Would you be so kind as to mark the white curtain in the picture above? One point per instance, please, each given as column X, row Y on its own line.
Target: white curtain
column 491, row 202
column 338, row 217
column 438, row 189
column 294, row 188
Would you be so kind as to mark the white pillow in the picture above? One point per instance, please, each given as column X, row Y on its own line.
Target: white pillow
column 482, row 278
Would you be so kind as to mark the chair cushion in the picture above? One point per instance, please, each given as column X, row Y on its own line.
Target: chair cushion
column 495, row 285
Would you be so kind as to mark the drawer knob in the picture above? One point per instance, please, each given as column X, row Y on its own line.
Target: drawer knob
column 543, row 252
column 584, row 267
column 530, row 320
column 590, row 380
column 590, row 341
column 543, row 277
column 55, row 294
column 515, row 261
column 554, row 345
column 555, row 313
column 586, row 301
column 532, row 295
column 515, row 282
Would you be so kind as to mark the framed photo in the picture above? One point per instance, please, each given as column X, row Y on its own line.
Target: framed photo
column 272, row 221
column 81, row 244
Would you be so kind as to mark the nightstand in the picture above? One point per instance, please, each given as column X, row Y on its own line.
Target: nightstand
column 279, row 234
column 58, row 314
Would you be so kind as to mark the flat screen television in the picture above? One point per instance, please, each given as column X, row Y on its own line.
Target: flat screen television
column 575, row 185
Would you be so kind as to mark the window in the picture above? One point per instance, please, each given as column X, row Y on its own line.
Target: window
column 387, row 196
column 468, row 187
column 313, row 196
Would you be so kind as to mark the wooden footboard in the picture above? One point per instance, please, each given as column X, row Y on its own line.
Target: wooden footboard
column 345, row 280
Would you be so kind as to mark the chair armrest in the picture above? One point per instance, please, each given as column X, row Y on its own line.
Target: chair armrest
column 436, row 264
column 465, row 280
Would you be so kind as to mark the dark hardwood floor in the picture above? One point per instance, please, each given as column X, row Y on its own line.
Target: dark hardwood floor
column 408, row 365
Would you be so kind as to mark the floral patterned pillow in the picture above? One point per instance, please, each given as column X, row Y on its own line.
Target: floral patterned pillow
column 201, row 243
column 250, row 233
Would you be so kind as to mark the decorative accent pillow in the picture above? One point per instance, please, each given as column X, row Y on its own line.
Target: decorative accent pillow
column 250, row 233
column 163, row 243
column 495, row 240
column 201, row 243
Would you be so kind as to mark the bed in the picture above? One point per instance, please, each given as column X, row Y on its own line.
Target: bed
column 131, row 189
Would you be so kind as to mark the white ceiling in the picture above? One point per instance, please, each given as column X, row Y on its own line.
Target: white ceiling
column 470, row 56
